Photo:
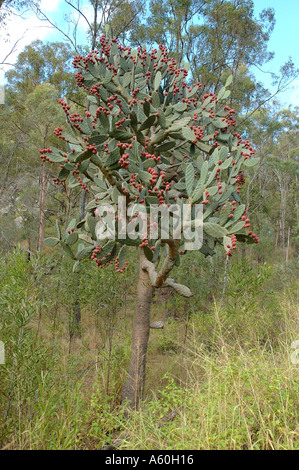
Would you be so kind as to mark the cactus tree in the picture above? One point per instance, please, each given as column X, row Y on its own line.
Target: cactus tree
column 149, row 137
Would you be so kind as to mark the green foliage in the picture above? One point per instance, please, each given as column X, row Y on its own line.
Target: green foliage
column 25, row 357
column 229, row 382
column 142, row 109
column 228, row 378
column 215, row 36
column 247, row 288
column 43, row 62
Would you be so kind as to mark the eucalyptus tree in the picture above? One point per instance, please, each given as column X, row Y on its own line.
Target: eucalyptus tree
column 212, row 35
column 12, row 7
column 284, row 162
column 42, row 62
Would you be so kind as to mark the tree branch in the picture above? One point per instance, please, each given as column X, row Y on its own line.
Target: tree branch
column 160, row 279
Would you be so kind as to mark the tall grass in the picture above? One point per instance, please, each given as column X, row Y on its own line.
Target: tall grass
column 219, row 376
column 238, row 396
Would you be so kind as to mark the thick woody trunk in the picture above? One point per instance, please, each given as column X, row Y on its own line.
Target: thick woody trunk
column 134, row 385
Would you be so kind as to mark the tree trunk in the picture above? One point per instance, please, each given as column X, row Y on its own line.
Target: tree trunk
column 134, row 385
column 288, row 245
column 76, row 320
column 41, row 231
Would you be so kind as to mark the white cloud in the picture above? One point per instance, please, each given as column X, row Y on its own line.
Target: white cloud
column 18, row 33
column 21, row 31
column 46, row 5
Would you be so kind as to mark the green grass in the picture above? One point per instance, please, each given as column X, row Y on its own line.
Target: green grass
column 223, row 369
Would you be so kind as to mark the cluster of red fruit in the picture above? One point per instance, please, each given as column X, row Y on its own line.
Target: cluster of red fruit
column 145, row 241
column 90, row 148
column 232, row 246
column 247, row 145
column 231, row 111
column 233, row 209
column 190, row 88
column 228, row 117
column 136, row 186
column 135, row 92
column 65, row 107
column 102, row 262
column 76, row 172
column 142, row 54
column 117, row 266
column 246, row 221
column 230, row 122
column 240, row 180
column 117, row 102
column 80, row 79
column 124, row 145
column 119, row 123
column 126, row 49
column 136, row 100
column 154, row 177
column 43, row 155
column 57, row 181
column 219, row 187
column 212, row 97
column 58, row 132
column 199, row 133
column 147, row 75
column 256, row 239
column 167, row 187
column 100, row 110
column 83, row 186
column 149, row 156
column 172, row 65
column 74, row 118
column 124, row 161
column 207, row 194
column 188, row 101
column 218, row 177
column 95, row 90
column 247, row 225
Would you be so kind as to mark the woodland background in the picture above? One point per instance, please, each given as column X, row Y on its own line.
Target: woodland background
column 222, row 364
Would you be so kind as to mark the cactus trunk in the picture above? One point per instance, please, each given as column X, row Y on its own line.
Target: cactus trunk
column 133, row 388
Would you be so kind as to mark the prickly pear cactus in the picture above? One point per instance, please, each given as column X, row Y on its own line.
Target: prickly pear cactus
column 151, row 137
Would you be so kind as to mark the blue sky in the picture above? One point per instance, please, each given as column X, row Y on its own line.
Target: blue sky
column 284, row 39
column 284, row 42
